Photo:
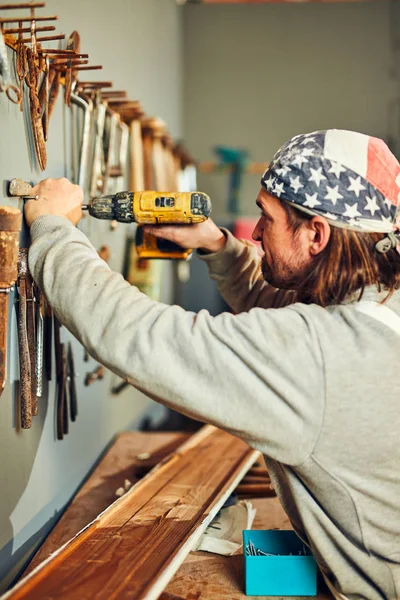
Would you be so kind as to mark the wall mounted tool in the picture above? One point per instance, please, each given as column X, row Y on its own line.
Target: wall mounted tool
column 10, row 227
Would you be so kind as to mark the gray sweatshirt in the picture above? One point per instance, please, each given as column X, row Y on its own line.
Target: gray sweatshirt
column 314, row 389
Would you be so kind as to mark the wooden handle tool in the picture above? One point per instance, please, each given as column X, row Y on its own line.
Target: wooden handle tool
column 60, row 403
column 24, row 359
column 10, row 227
column 73, row 398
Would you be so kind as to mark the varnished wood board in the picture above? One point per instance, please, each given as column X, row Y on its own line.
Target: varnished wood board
column 134, row 547
column 123, row 460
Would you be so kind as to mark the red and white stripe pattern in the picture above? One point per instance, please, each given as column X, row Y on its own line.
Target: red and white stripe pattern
column 369, row 157
column 350, row 178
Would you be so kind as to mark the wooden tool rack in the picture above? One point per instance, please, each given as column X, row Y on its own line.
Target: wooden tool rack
column 202, row 575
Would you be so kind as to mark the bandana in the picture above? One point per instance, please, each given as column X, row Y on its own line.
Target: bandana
column 351, row 179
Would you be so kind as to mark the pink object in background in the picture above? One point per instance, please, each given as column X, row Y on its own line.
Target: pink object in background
column 243, row 229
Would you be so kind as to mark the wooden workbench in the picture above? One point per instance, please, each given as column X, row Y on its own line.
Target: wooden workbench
column 203, row 576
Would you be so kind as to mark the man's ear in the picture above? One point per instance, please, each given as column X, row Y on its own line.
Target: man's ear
column 319, row 234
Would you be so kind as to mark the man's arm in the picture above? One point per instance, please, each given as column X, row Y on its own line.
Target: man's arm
column 236, row 372
column 243, row 373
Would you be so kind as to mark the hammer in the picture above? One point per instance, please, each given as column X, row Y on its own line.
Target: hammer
column 21, row 188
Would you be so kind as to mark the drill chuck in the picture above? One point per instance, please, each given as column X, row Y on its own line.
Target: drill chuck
column 118, row 207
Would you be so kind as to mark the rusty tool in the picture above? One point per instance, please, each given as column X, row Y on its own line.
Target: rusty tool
column 78, row 67
column 46, row 38
column 95, row 85
column 61, row 380
column 64, row 383
column 98, row 179
column 24, row 358
column 36, row 109
column 49, row 90
column 95, row 375
column 31, row 332
column 117, row 389
column 21, row 69
column 44, row 100
column 62, row 52
column 71, row 374
column 30, row 5
column 23, row 19
column 14, row 30
column 63, row 61
column 34, row 46
column 85, row 103
column 73, row 43
column 10, row 227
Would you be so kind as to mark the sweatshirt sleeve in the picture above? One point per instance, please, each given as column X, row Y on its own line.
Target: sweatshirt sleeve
column 258, row 375
column 236, row 270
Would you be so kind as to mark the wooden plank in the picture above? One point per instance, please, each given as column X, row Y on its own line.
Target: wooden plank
column 131, row 452
column 134, row 547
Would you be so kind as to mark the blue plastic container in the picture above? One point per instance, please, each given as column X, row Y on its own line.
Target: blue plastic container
column 280, row 574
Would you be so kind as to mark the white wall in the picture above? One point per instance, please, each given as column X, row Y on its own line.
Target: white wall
column 256, row 75
column 139, row 43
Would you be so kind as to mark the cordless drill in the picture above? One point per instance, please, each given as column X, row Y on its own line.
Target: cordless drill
column 143, row 208
column 153, row 208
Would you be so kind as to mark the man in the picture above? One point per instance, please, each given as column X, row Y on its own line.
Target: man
column 313, row 384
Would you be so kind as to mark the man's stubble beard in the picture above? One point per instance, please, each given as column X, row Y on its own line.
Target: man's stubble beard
column 285, row 275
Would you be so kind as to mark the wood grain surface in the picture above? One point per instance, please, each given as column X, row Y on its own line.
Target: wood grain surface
column 134, row 547
column 202, row 576
column 121, row 461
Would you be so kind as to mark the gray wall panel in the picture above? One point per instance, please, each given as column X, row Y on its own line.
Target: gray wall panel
column 256, row 75
column 139, row 43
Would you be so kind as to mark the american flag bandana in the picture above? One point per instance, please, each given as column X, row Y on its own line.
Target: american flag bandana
column 351, row 179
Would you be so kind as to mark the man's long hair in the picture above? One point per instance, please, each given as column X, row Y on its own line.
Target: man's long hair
column 347, row 265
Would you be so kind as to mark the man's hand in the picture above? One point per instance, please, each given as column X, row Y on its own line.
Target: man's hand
column 57, row 197
column 206, row 236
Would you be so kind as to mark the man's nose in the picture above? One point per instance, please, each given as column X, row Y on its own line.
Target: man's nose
column 257, row 231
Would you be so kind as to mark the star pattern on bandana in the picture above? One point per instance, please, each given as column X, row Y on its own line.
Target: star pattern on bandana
column 295, row 184
column 301, row 174
column 356, row 186
column 312, row 201
column 333, row 194
column 371, row 205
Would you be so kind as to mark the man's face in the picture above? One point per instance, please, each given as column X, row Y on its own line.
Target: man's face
column 286, row 261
